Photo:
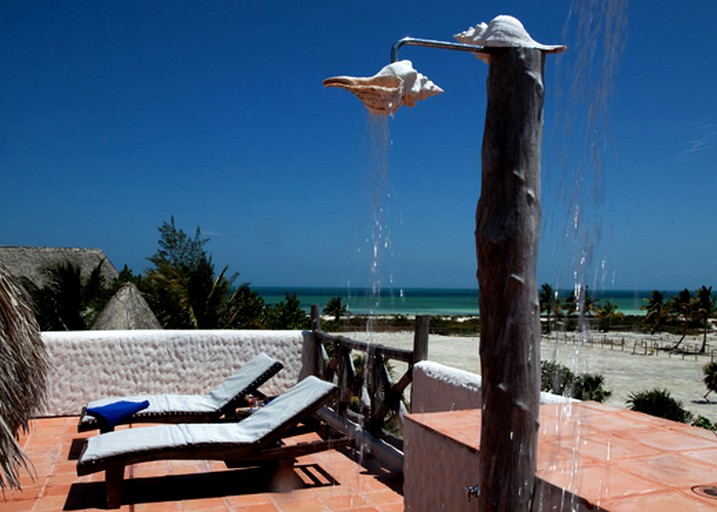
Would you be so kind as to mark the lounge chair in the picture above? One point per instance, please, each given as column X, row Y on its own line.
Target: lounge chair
column 253, row 441
column 220, row 403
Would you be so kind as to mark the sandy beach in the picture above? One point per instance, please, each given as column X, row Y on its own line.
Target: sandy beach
column 625, row 372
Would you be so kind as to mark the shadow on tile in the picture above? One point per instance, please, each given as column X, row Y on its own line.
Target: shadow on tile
column 214, row 484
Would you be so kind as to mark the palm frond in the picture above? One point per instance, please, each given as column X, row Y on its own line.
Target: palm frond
column 23, row 370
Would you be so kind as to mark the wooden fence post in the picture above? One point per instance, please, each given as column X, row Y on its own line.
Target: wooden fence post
column 420, row 344
column 315, row 317
column 507, row 229
column 420, row 338
column 312, row 361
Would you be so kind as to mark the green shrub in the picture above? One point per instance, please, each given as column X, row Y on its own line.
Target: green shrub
column 703, row 422
column 556, row 378
column 559, row 379
column 590, row 386
column 660, row 403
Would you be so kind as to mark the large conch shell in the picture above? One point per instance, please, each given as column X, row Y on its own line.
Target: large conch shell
column 395, row 85
column 503, row 31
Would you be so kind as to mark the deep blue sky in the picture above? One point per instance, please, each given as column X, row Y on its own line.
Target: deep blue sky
column 116, row 116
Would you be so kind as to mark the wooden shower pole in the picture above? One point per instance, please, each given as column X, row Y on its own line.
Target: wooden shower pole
column 507, row 229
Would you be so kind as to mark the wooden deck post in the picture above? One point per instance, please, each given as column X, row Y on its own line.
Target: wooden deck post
column 114, row 480
column 507, row 229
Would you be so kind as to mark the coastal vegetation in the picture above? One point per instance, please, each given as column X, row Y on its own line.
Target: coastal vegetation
column 684, row 313
column 660, row 403
column 656, row 312
column 185, row 290
column 335, row 307
column 558, row 379
column 578, row 306
column 550, row 304
column 710, row 377
column 182, row 287
column 67, row 301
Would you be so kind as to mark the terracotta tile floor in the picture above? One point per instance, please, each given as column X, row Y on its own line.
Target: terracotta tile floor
column 329, row 481
column 626, row 461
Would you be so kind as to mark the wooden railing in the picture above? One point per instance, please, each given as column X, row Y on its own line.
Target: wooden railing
column 369, row 397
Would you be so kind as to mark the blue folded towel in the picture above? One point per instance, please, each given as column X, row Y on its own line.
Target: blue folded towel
column 112, row 414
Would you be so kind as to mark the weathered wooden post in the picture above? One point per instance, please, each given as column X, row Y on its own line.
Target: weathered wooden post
column 420, row 338
column 311, row 360
column 507, row 229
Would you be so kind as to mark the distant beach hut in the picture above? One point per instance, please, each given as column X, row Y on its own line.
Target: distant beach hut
column 127, row 309
column 23, row 371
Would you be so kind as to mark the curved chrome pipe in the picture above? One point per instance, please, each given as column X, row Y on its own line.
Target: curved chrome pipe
column 412, row 41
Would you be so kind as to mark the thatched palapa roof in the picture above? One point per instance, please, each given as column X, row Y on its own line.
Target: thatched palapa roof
column 30, row 262
column 127, row 309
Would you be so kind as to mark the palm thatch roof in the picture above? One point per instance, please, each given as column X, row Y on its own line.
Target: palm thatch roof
column 127, row 309
column 23, row 370
column 31, row 262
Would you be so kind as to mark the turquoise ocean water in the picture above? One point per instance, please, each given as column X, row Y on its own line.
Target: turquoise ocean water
column 427, row 301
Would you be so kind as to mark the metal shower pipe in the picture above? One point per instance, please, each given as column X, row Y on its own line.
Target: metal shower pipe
column 431, row 43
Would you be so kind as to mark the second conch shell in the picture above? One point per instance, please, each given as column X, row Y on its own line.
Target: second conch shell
column 395, row 85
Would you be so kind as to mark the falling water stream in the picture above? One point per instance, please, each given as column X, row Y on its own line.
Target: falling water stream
column 576, row 145
column 380, row 236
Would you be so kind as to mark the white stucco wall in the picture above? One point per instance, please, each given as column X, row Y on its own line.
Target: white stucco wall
column 436, row 468
column 87, row 365
column 436, row 471
column 437, row 387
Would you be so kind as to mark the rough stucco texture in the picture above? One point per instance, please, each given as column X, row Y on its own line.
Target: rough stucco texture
column 449, row 466
column 431, row 457
column 437, row 387
column 87, row 365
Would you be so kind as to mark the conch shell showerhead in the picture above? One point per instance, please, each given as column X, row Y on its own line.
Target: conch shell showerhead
column 395, row 85
column 503, row 31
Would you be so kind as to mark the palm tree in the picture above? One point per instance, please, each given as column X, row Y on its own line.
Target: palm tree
column 704, row 309
column 581, row 301
column 335, row 308
column 23, row 370
column 660, row 403
column 655, row 308
column 189, row 297
column 182, row 288
column 206, row 294
column 244, row 310
column 606, row 313
column 710, row 380
column 549, row 303
column 590, row 386
column 68, row 302
column 682, row 307
column 286, row 314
